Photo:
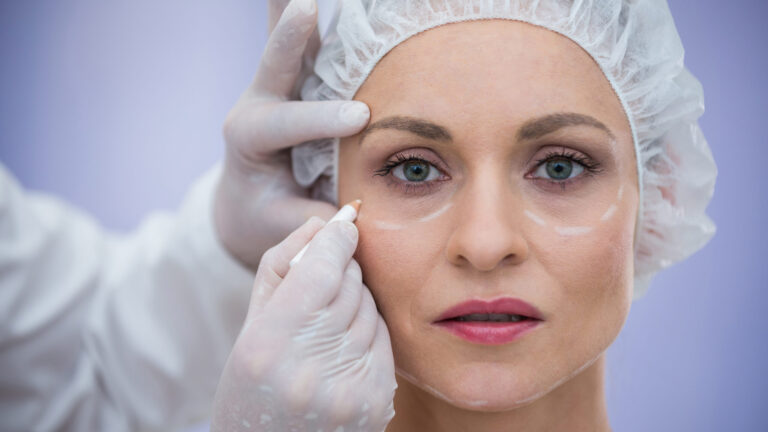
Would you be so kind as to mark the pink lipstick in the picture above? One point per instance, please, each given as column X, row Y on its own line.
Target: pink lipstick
column 492, row 322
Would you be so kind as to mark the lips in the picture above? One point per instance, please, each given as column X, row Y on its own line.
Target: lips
column 490, row 322
column 503, row 306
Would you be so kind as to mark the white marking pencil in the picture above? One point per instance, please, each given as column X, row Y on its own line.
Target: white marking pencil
column 347, row 213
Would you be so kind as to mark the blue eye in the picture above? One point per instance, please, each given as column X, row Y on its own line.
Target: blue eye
column 416, row 171
column 412, row 175
column 559, row 169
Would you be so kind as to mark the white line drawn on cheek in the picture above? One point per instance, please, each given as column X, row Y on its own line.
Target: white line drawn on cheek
column 387, row 226
column 563, row 231
column 582, row 230
column 573, row 230
column 391, row 226
column 612, row 208
column 436, row 214
column 608, row 213
column 532, row 216
column 378, row 224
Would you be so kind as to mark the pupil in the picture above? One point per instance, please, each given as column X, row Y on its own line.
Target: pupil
column 416, row 171
column 559, row 169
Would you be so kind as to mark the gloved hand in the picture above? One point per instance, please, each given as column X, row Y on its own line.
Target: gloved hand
column 314, row 353
column 257, row 201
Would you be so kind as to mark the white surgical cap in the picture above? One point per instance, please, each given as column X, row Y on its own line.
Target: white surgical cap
column 636, row 45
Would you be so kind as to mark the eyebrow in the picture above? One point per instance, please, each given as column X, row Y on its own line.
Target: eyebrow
column 532, row 129
column 416, row 126
column 545, row 125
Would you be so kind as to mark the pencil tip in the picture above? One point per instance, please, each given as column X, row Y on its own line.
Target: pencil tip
column 355, row 204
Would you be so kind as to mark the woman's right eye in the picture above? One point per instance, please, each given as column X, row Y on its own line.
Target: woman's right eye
column 416, row 171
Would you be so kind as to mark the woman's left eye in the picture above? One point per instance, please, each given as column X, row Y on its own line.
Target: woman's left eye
column 559, row 169
column 416, row 171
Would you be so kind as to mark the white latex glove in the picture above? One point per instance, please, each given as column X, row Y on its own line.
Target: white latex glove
column 314, row 354
column 257, row 201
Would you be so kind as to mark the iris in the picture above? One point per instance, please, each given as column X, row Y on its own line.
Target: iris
column 559, row 169
column 416, row 171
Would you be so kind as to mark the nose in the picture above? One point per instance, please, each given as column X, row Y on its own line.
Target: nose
column 488, row 234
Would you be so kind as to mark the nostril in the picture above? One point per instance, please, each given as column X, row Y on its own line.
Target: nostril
column 509, row 259
column 489, row 256
column 485, row 243
column 486, row 261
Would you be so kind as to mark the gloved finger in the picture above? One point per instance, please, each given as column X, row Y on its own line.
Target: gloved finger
column 385, row 374
column 281, row 62
column 311, row 50
column 274, row 263
column 363, row 329
column 259, row 129
column 341, row 407
column 307, row 64
column 315, row 280
column 382, row 349
column 275, row 8
column 344, row 307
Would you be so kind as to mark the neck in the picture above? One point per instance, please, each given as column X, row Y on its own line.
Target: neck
column 576, row 405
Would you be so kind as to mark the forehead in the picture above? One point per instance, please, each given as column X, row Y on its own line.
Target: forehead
column 495, row 70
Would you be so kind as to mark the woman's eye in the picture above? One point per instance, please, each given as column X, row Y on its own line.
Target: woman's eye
column 559, row 169
column 416, row 171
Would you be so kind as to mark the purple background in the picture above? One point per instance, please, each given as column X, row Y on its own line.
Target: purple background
column 117, row 107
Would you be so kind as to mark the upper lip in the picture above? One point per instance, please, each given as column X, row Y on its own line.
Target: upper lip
column 504, row 305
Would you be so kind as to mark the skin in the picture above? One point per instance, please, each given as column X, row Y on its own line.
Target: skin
column 491, row 227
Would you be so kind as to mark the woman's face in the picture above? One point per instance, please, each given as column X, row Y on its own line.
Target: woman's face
column 498, row 165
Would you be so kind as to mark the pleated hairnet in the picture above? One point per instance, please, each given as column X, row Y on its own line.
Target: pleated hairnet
column 636, row 45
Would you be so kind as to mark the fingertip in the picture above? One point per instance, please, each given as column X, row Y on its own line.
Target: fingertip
column 312, row 225
column 354, row 114
column 304, row 8
column 308, row 7
column 316, row 221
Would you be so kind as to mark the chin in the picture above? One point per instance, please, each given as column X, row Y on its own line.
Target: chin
column 488, row 388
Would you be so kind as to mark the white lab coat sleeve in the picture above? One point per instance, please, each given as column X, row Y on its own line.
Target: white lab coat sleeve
column 106, row 332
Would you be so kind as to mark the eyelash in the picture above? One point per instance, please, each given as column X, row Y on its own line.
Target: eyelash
column 410, row 188
column 591, row 167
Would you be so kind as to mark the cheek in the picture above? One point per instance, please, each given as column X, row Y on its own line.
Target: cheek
column 396, row 263
column 594, row 275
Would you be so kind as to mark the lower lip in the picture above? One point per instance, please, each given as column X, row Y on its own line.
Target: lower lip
column 489, row 333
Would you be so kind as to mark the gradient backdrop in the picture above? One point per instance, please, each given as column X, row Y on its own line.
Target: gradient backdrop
column 117, row 107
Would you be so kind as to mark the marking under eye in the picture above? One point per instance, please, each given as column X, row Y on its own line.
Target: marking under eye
column 535, row 218
column 436, row 214
column 573, row 231
column 387, row 226
column 608, row 213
